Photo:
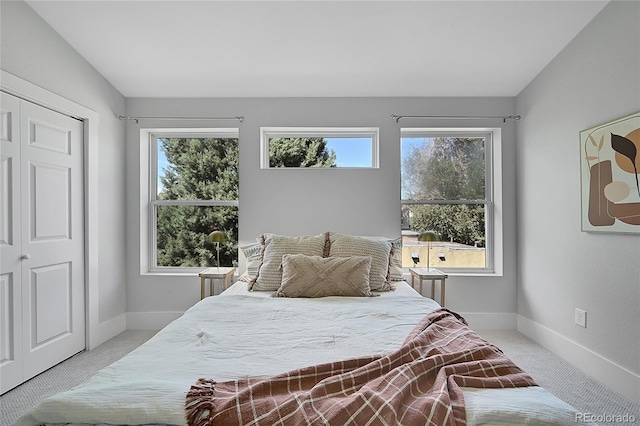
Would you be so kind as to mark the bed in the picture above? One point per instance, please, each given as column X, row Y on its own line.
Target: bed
column 246, row 333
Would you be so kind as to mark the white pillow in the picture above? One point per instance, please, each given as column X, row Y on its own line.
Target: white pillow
column 253, row 254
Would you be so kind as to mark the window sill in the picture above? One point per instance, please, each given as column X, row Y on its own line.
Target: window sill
column 454, row 273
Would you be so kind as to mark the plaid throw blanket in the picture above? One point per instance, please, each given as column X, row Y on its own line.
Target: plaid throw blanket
column 419, row 384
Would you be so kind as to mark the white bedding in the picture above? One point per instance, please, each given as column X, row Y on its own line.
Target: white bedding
column 242, row 333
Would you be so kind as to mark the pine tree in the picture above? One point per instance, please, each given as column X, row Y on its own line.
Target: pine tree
column 300, row 152
column 207, row 169
column 198, row 169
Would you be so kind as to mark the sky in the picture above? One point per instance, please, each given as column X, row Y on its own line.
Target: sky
column 162, row 164
column 407, row 146
column 351, row 152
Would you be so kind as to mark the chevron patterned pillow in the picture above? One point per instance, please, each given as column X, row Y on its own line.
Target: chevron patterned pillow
column 316, row 276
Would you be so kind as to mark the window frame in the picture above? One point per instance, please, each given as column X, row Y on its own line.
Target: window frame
column 266, row 133
column 493, row 193
column 149, row 190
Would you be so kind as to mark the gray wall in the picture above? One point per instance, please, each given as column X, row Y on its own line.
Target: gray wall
column 594, row 80
column 34, row 52
column 294, row 202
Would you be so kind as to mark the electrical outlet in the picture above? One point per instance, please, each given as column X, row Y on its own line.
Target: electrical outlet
column 581, row 318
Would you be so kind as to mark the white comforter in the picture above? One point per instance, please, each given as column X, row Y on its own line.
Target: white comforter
column 250, row 334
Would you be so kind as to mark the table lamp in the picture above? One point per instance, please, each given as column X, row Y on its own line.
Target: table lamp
column 428, row 236
column 217, row 237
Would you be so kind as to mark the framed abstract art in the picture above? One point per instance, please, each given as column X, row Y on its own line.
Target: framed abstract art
column 610, row 166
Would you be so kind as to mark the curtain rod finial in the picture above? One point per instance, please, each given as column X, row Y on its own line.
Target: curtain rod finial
column 122, row 118
column 511, row 117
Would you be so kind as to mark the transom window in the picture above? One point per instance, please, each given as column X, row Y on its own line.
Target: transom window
column 193, row 190
column 305, row 147
column 447, row 187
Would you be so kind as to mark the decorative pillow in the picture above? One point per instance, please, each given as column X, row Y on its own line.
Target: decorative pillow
column 327, row 242
column 253, row 254
column 315, row 276
column 347, row 246
column 269, row 276
column 395, row 259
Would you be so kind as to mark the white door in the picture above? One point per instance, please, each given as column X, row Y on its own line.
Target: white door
column 45, row 264
column 10, row 246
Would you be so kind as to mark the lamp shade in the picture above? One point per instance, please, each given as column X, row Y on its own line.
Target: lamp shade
column 217, row 237
column 428, row 236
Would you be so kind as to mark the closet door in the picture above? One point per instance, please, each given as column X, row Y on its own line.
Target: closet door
column 49, row 323
column 10, row 245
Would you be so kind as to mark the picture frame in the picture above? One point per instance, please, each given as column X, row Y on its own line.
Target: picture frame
column 610, row 179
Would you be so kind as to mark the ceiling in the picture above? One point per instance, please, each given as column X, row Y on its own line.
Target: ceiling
column 318, row 48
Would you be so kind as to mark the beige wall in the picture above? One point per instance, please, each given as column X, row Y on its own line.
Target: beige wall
column 455, row 256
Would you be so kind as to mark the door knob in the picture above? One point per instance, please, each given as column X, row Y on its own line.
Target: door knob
column 25, row 257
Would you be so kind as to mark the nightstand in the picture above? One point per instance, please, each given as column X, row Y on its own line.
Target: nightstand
column 212, row 274
column 430, row 274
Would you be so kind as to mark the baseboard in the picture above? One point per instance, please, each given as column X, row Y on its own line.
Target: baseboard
column 612, row 375
column 150, row 320
column 490, row 320
column 108, row 330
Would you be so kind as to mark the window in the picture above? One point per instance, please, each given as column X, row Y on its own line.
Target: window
column 305, row 147
column 193, row 190
column 449, row 186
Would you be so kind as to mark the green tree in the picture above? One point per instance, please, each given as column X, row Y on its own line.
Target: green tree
column 462, row 223
column 207, row 169
column 300, row 152
column 447, row 169
column 198, row 169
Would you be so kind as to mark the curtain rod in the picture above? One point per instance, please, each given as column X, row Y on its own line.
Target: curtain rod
column 122, row 117
column 460, row 117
